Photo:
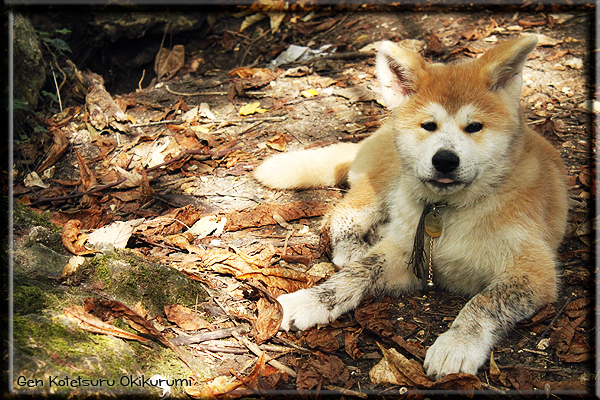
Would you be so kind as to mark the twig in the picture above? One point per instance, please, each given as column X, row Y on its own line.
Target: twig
column 141, row 79
column 570, row 299
column 77, row 195
column 168, row 121
column 346, row 392
column 203, row 337
column 210, row 93
column 257, row 351
column 281, row 339
column 57, row 90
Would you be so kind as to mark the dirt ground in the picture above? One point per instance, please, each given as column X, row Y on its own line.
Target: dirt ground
column 189, row 150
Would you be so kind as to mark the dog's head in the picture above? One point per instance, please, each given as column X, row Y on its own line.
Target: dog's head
column 456, row 123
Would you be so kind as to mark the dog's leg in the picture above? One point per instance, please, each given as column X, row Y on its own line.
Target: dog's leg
column 382, row 270
column 525, row 287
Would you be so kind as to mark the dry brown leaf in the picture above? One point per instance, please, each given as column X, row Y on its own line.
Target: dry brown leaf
column 494, row 370
column 186, row 318
column 59, row 146
column 102, row 109
column 571, row 384
column 219, row 387
column 269, row 318
column 87, row 177
column 396, row 369
column 520, row 378
column 324, row 369
column 74, row 240
column 72, row 265
column 171, row 223
column 219, row 260
column 283, row 278
column 374, row 317
column 323, row 339
column 90, row 218
column 168, row 62
column 277, row 142
column 563, row 339
column 262, row 215
column 94, row 324
column 351, row 346
column 107, row 309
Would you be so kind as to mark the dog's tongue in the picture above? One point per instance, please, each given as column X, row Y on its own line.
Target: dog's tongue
column 445, row 180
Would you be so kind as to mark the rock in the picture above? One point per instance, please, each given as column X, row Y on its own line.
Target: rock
column 29, row 66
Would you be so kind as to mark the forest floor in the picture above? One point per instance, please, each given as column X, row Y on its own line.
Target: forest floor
column 180, row 153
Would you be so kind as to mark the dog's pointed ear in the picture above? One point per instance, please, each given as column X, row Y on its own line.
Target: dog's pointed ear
column 397, row 70
column 503, row 64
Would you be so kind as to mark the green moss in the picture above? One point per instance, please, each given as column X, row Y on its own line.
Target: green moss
column 25, row 219
column 131, row 278
column 28, row 300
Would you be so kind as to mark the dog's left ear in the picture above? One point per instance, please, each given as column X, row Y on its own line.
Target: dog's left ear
column 503, row 64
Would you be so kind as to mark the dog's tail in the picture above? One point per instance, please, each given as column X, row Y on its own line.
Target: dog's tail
column 326, row 166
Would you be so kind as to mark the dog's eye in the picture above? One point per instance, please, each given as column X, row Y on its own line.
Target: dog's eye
column 474, row 127
column 429, row 126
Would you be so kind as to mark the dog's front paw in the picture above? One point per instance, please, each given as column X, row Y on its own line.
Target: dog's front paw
column 455, row 351
column 302, row 309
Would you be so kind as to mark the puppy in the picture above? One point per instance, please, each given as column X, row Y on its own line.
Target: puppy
column 453, row 190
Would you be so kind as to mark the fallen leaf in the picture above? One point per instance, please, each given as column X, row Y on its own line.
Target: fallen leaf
column 374, row 317
column 351, row 346
column 186, row 318
column 277, row 142
column 117, row 233
column 72, row 265
column 323, row 368
column 494, row 370
column 269, row 318
column 59, row 147
column 251, row 20
column 544, row 40
column 211, row 225
column 520, row 378
column 286, row 279
column 309, row 93
column 168, row 62
column 115, row 309
column 396, row 369
column 252, row 108
column 74, row 240
column 171, row 223
column 262, row 215
column 563, row 338
column 571, row 384
column 87, row 177
column 33, row 179
column 220, row 387
column 102, row 109
column 94, row 324
column 323, row 339
column 90, row 218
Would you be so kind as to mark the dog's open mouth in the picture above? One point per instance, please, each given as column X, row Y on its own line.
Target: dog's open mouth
column 444, row 184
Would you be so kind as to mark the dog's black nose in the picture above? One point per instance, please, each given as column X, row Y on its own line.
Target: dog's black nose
column 445, row 161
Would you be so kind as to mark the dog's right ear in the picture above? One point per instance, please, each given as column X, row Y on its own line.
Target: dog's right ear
column 397, row 69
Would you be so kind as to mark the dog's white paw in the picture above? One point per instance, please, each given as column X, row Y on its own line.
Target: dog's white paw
column 302, row 309
column 455, row 351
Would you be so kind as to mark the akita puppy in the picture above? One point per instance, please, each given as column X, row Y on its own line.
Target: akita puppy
column 453, row 190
